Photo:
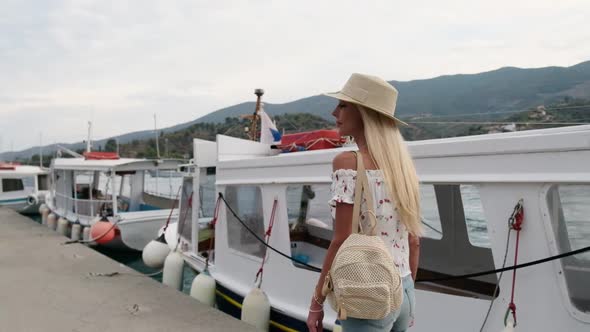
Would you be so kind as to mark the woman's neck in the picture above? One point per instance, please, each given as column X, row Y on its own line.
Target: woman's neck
column 361, row 143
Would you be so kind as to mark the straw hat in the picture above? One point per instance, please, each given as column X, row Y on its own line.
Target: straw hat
column 370, row 92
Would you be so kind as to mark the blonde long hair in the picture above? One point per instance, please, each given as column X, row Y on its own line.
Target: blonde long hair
column 389, row 151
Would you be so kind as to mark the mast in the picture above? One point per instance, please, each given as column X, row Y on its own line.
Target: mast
column 41, row 150
column 89, row 140
column 157, row 138
column 254, row 122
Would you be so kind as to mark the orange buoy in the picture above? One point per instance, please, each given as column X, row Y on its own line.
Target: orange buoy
column 103, row 231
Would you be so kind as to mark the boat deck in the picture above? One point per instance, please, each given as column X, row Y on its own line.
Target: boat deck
column 47, row 286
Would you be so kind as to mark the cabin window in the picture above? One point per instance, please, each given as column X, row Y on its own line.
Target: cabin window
column 207, row 203
column 12, row 185
column 477, row 228
column 310, row 222
column 28, row 182
column 207, row 194
column 162, row 183
column 429, row 212
column 85, row 190
column 43, row 181
column 452, row 251
column 186, row 209
column 246, row 201
column 569, row 208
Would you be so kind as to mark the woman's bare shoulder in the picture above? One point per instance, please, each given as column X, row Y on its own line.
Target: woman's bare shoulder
column 344, row 160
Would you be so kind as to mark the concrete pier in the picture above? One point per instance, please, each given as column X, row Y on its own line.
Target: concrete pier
column 47, row 286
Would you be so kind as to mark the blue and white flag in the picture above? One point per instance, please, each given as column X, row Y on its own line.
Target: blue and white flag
column 268, row 130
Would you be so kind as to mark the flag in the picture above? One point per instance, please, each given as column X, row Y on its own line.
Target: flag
column 268, row 130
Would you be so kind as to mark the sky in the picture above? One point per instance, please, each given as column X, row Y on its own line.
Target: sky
column 116, row 63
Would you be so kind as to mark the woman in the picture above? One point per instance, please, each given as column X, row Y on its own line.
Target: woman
column 365, row 111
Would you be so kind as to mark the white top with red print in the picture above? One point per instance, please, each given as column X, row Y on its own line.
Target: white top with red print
column 389, row 227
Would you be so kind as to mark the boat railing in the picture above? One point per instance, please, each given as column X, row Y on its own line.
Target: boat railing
column 83, row 207
column 168, row 195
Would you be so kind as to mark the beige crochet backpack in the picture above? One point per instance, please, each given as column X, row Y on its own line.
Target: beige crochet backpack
column 363, row 281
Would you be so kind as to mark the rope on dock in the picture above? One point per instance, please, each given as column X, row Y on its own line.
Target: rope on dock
column 114, row 274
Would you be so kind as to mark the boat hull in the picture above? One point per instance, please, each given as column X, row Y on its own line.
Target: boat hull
column 23, row 204
column 136, row 229
column 17, row 204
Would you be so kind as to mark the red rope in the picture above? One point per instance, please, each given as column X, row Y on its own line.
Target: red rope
column 516, row 224
column 212, row 225
column 172, row 209
column 216, row 213
column 266, row 239
column 334, row 142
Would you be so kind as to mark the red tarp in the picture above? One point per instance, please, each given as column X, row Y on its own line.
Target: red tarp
column 311, row 140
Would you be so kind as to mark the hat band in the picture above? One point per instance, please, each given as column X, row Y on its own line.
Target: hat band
column 358, row 94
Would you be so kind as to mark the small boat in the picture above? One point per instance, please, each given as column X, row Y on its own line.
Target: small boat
column 473, row 189
column 22, row 187
column 102, row 185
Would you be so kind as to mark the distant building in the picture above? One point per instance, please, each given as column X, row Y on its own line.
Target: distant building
column 502, row 128
column 510, row 127
column 539, row 113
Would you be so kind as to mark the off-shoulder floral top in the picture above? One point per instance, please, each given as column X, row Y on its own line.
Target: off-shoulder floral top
column 389, row 227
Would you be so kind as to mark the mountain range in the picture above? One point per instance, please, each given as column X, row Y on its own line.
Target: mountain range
column 501, row 90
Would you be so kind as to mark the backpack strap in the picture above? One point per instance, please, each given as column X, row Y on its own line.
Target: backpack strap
column 362, row 184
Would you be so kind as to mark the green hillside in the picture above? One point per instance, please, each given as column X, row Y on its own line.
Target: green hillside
column 504, row 89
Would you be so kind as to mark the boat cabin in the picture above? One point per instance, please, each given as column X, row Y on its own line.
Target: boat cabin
column 84, row 188
column 22, row 187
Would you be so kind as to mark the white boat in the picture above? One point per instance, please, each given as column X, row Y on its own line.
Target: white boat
column 84, row 189
column 23, row 188
column 470, row 187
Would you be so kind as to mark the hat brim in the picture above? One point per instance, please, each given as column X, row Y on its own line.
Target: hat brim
column 340, row 96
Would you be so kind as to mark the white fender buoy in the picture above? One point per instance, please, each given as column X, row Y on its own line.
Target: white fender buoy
column 173, row 267
column 62, row 226
column 32, row 200
column 203, row 288
column 76, row 232
column 52, row 221
column 44, row 212
column 155, row 252
column 86, row 234
column 256, row 309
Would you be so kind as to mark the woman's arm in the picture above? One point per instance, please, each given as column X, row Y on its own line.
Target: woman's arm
column 414, row 244
column 342, row 229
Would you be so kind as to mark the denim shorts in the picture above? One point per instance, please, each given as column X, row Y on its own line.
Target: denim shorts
column 396, row 321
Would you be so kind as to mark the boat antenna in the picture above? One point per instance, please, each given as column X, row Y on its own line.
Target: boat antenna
column 157, row 138
column 89, row 140
column 156, row 131
column 41, row 149
column 254, row 122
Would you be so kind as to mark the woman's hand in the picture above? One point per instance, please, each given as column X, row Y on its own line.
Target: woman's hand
column 315, row 317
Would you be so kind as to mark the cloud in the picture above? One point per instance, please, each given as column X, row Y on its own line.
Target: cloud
column 124, row 60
